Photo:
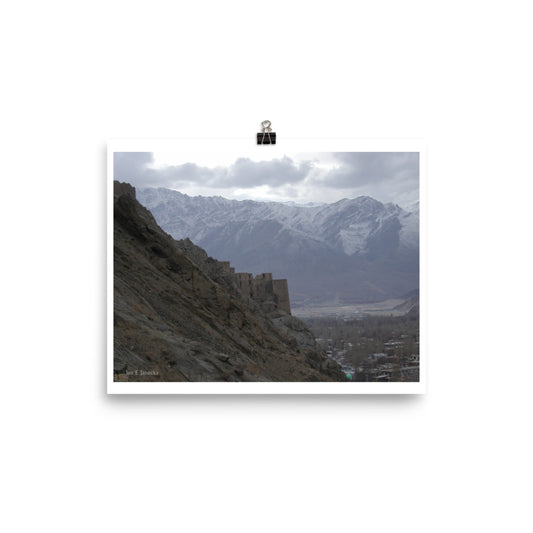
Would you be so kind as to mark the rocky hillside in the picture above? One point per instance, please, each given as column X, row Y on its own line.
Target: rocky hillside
column 178, row 316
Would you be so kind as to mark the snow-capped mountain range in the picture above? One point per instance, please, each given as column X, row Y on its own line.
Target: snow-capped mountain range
column 351, row 250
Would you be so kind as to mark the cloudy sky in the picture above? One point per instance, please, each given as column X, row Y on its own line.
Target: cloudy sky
column 297, row 177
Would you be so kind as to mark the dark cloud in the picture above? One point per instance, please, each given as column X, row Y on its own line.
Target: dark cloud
column 244, row 173
column 358, row 169
column 386, row 176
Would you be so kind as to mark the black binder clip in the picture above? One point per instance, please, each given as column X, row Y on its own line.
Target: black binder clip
column 267, row 136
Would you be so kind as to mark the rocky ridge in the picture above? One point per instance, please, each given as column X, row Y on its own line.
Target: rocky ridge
column 178, row 315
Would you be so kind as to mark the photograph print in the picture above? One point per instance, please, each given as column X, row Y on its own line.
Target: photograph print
column 262, row 267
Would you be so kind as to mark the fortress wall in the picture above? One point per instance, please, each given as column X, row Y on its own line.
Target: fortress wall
column 264, row 277
column 262, row 289
column 244, row 283
column 281, row 290
column 270, row 293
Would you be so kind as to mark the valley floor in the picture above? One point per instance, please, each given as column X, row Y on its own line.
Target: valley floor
column 386, row 307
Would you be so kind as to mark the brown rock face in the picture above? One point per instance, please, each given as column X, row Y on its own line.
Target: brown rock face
column 123, row 188
column 179, row 316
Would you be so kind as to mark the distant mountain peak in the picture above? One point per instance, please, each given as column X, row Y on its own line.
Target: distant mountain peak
column 359, row 248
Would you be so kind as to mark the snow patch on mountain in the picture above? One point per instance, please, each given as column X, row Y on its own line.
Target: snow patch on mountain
column 348, row 224
column 410, row 227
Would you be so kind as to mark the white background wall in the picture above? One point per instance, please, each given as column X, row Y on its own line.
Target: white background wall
column 456, row 74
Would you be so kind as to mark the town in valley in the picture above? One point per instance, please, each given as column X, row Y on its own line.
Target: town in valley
column 376, row 347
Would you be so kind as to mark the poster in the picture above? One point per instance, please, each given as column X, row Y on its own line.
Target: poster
column 287, row 269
